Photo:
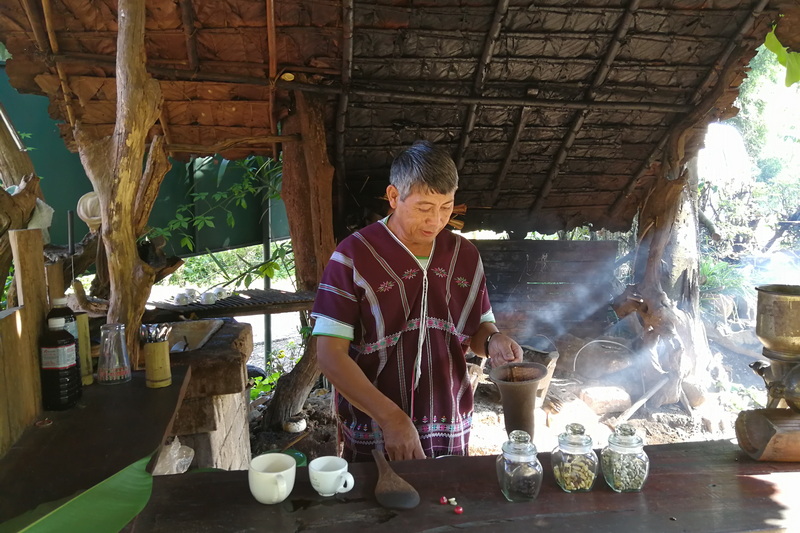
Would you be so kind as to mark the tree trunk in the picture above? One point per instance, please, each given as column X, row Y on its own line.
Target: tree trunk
column 114, row 166
column 14, row 163
column 674, row 338
column 306, row 191
column 15, row 211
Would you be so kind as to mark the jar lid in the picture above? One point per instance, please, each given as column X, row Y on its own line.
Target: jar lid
column 574, row 439
column 519, row 448
column 55, row 323
column 60, row 301
column 624, row 439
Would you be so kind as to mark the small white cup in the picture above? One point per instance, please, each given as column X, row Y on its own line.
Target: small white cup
column 191, row 293
column 208, row 298
column 329, row 475
column 221, row 292
column 271, row 477
column 181, row 299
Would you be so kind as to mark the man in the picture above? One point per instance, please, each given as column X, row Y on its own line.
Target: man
column 399, row 303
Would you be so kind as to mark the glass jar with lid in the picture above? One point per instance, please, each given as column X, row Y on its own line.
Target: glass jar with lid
column 519, row 471
column 624, row 461
column 574, row 461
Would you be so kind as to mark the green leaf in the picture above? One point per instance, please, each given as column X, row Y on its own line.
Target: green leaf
column 772, row 44
column 248, row 279
column 186, row 242
column 223, row 165
column 231, row 221
column 108, row 506
column 792, row 68
column 210, row 222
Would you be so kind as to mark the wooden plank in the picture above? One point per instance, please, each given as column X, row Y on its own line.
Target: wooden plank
column 9, row 394
column 570, row 269
column 21, row 347
column 554, row 250
column 111, row 427
column 698, row 486
column 551, row 292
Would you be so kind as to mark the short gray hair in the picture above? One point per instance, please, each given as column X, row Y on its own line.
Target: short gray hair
column 426, row 167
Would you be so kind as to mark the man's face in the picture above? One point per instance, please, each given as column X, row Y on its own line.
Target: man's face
column 421, row 216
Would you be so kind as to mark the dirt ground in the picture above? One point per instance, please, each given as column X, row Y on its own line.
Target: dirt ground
column 734, row 387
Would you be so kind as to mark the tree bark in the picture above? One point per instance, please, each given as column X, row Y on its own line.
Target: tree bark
column 14, row 163
column 306, row 192
column 114, row 166
column 15, row 212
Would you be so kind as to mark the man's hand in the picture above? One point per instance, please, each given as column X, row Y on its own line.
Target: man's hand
column 401, row 438
column 503, row 349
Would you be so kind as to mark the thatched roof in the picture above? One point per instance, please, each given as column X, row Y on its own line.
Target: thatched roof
column 557, row 112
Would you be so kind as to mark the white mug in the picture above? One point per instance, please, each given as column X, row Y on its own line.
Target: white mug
column 329, row 475
column 271, row 477
column 221, row 292
column 181, row 299
column 208, row 298
column 191, row 293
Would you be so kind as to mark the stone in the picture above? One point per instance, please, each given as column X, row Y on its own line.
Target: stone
column 604, row 400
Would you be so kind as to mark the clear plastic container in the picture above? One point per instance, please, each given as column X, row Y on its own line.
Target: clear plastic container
column 519, row 471
column 625, row 463
column 574, row 461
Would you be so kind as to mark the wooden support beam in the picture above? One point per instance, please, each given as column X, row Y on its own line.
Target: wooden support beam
column 253, row 142
column 523, row 118
column 500, row 10
column 341, row 111
column 272, row 50
column 580, row 117
column 34, row 19
column 187, row 20
column 62, row 78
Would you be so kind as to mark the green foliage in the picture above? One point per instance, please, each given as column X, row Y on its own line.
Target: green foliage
column 278, row 363
column 790, row 60
column 261, row 178
column 235, row 268
column 720, row 278
column 6, row 288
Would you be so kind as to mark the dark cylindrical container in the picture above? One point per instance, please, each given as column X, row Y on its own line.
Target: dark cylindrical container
column 60, row 372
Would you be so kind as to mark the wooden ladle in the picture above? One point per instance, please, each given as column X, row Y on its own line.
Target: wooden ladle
column 392, row 491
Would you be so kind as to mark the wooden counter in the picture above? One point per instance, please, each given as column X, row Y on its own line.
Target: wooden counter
column 693, row 487
column 111, row 427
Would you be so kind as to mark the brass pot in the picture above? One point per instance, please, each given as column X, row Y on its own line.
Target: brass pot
column 778, row 319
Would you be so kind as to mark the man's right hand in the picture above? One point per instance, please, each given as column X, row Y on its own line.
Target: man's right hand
column 401, row 438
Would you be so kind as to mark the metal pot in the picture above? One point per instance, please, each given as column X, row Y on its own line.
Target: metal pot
column 778, row 319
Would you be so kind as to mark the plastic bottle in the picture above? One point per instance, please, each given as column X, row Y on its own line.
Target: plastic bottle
column 519, row 471
column 60, row 371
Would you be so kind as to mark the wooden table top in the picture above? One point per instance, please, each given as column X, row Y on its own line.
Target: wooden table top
column 112, row 427
column 692, row 487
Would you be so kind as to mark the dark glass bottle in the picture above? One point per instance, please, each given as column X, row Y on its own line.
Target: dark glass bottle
column 60, row 309
column 60, row 373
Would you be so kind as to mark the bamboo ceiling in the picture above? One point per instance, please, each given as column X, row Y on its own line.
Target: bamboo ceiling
column 557, row 112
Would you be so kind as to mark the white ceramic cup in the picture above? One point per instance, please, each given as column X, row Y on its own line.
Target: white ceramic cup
column 271, row 477
column 208, row 298
column 221, row 292
column 329, row 475
column 191, row 293
column 181, row 299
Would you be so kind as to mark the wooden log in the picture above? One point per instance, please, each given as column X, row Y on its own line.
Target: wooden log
column 769, row 434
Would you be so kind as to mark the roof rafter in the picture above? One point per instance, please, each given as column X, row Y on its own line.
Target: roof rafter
column 501, row 8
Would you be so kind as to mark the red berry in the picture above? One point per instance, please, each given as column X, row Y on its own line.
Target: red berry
column 458, row 510
column 443, row 500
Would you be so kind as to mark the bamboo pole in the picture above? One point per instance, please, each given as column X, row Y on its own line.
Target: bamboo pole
column 273, row 70
column 341, row 111
column 187, row 20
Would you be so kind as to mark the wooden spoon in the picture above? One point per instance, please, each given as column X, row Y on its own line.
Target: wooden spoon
column 392, row 491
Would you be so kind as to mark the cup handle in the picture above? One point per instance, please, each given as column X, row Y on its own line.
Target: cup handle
column 280, row 480
column 347, row 482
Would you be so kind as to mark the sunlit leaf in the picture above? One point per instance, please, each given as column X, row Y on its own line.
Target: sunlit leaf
column 772, row 44
column 792, row 68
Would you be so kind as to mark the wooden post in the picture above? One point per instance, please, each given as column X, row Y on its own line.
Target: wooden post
column 20, row 329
